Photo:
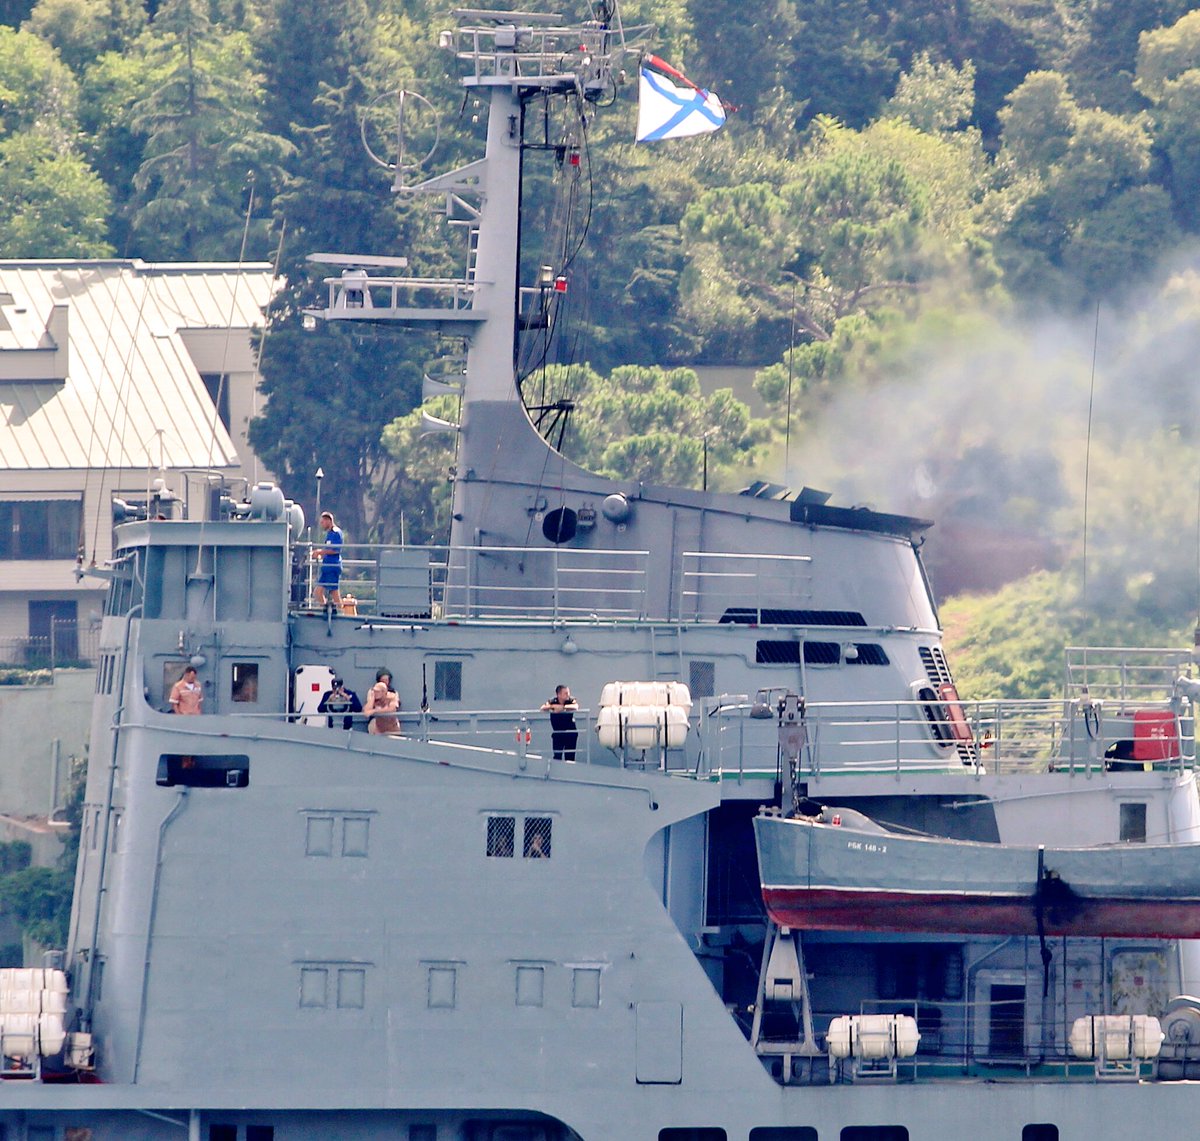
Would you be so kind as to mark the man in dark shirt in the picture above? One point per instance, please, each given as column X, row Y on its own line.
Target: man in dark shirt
column 339, row 699
column 563, row 734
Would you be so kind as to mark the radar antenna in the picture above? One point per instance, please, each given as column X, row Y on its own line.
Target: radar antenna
column 415, row 119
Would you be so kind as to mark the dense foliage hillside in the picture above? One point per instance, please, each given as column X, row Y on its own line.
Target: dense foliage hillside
column 951, row 235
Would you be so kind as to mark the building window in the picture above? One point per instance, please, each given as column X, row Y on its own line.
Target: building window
column 343, row 986
column 351, row 988
column 874, row 1133
column 702, row 679
column 585, row 986
column 1040, row 1132
column 260, row 1133
column 343, row 833
column 318, row 836
column 447, row 681
column 442, row 993
column 783, row 1133
column 244, row 682
column 422, row 1132
column 531, row 986
column 537, row 838
column 314, row 986
column 355, row 835
column 1133, row 823
column 501, row 836
column 53, row 632
column 692, row 1133
column 222, row 1133
column 217, row 385
column 40, row 528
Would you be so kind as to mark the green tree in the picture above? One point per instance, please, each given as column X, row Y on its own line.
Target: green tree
column 1102, row 63
column 846, row 59
column 423, row 491
column 12, row 12
column 933, row 96
column 1079, row 213
column 204, row 140
column 849, row 230
column 37, row 91
column 654, row 424
column 1168, row 75
column 109, row 87
column 1038, row 119
column 82, row 30
column 56, row 205
column 744, row 68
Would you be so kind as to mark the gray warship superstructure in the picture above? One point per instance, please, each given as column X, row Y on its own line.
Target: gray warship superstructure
column 285, row 928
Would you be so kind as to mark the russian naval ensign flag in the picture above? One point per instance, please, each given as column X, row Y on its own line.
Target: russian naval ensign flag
column 671, row 106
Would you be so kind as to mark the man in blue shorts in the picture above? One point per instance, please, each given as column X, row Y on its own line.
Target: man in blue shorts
column 331, row 563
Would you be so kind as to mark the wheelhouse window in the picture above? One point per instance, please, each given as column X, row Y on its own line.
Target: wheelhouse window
column 244, row 682
column 230, row 770
column 789, row 653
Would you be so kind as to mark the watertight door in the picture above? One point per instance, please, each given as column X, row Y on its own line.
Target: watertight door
column 659, row 1043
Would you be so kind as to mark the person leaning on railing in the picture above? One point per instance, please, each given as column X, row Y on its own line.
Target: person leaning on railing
column 382, row 706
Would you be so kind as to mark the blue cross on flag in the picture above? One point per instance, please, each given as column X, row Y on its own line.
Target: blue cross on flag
column 671, row 106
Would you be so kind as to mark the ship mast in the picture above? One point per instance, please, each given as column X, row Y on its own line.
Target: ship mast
column 511, row 59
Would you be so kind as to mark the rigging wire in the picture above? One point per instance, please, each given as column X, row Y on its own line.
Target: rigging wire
column 223, row 379
column 571, row 246
column 1087, row 467
column 121, row 404
column 256, row 376
column 93, row 433
column 1087, row 456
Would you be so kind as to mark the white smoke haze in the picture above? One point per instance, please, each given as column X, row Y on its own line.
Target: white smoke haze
column 988, row 436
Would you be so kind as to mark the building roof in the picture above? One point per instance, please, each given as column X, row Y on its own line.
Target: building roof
column 94, row 371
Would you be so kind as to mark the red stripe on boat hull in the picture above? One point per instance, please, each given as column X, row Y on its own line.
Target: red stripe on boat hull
column 820, row 909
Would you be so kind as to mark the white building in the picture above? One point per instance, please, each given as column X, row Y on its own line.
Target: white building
column 113, row 374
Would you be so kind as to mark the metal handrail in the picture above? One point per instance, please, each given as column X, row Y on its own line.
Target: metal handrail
column 618, row 579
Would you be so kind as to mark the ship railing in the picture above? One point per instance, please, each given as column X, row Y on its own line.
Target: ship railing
column 993, row 1037
column 390, row 581
column 538, row 47
column 523, row 731
column 366, row 296
column 1125, row 675
column 995, row 737
column 519, row 731
column 555, row 582
column 563, row 583
column 717, row 584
